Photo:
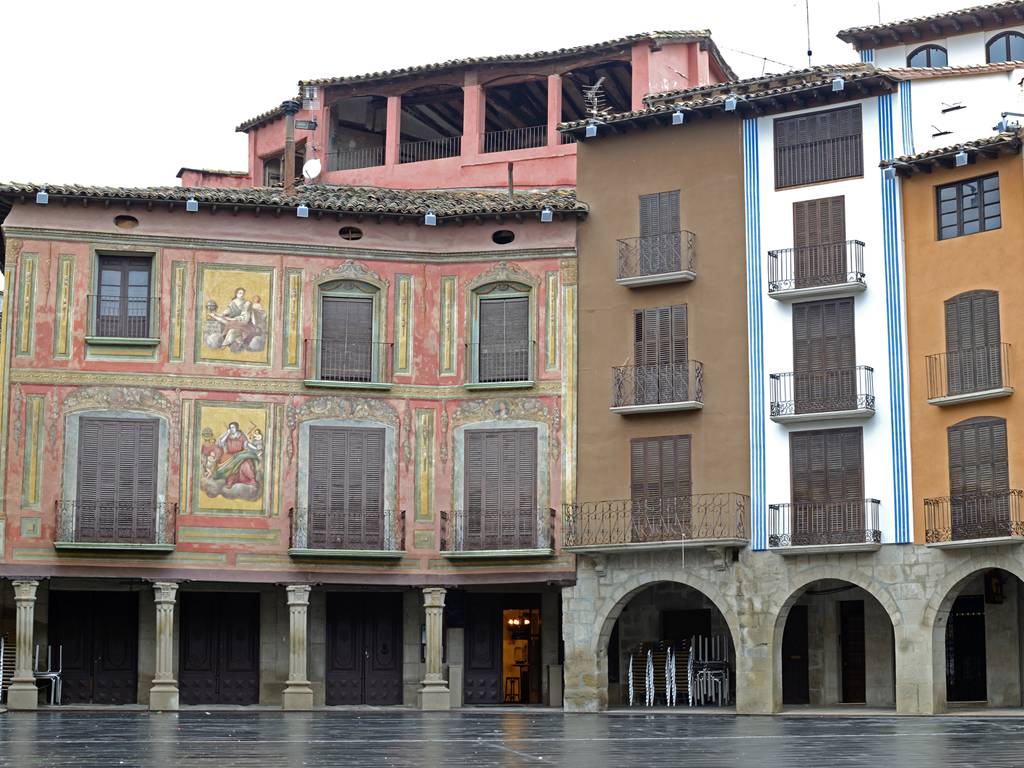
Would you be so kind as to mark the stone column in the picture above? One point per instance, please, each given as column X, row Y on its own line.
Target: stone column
column 23, row 693
column 474, row 116
column 392, row 130
column 434, row 694
column 298, row 695
column 554, row 110
column 163, row 695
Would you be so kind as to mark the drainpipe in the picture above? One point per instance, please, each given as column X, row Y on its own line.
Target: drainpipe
column 290, row 107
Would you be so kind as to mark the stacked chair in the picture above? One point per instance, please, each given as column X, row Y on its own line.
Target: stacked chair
column 694, row 672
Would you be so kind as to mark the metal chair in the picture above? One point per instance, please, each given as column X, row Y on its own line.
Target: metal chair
column 51, row 675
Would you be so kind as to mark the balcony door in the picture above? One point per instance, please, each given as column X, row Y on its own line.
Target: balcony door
column 504, row 339
column 824, row 356
column 661, row 353
column 346, row 338
column 827, row 486
column 979, row 479
column 661, row 488
column 660, row 250
column 122, row 307
column 500, row 493
column 117, row 472
column 973, row 353
column 346, row 488
column 819, row 242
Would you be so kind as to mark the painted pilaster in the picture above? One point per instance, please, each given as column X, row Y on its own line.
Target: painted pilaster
column 393, row 130
column 298, row 695
column 434, row 694
column 23, row 693
column 554, row 109
column 164, row 693
column 474, row 112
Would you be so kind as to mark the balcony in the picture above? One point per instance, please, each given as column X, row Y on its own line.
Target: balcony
column 530, row 137
column 658, row 388
column 835, row 269
column 521, row 532
column 429, row 149
column 350, row 159
column 657, row 259
column 838, row 393
column 346, row 364
column 969, row 375
column 319, row 531
column 500, row 365
column 975, row 520
column 122, row 321
column 703, row 520
column 91, row 525
column 816, row 527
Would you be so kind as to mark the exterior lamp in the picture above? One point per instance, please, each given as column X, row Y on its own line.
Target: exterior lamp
column 678, row 118
column 838, row 83
column 591, row 131
column 302, row 211
column 730, row 103
column 889, row 173
column 546, row 214
column 430, row 219
column 192, row 205
column 42, row 197
column 960, row 158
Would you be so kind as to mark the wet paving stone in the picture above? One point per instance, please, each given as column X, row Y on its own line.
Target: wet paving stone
column 482, row 739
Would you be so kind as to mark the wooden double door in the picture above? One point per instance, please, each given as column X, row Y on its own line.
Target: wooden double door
column 97, row 634
column 220, row 648
column 364, row 648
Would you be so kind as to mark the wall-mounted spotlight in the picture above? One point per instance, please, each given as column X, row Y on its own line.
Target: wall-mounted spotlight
column 430, row 219
column 838, row 83
column 591, row 131
column 42, row 197
column 678, row 117
column 889, row 173
column 192, row 205
column 730, row 103
column 302, row 211
column 547, row 215
column 960, row 158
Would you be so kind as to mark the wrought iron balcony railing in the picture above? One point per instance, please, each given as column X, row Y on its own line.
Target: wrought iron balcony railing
column 508, row 528
column 350, row 159
column 839, row 390
column 969, row 371
column 824, row 523
column 530, row 137
column 671, row 253
column 430, row 149
column 122, row 318
column 96, row 522
column 648, row 385
column 703, row 517
column 346, row 361
column 500, row 362
column 816, row 266
column 330, row 528
column 998, row 514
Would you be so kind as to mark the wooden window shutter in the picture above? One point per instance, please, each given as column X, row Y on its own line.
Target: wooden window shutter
column 346, row 488
column 827, row 481
column 973, row 352
column 979, row 478
column 819, row 237
column 504, row 339
column 500, row 489
column 650, row 212
column 818, row 147
column 321, row 470
column 346, row 343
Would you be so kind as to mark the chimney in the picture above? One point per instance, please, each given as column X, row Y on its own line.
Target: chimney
column 290, row 107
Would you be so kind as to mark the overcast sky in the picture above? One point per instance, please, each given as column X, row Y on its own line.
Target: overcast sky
column 126, row 93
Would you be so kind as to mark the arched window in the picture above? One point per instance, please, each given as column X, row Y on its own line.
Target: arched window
column 502, row 348
column 347, row 347
column 1008, row 46
column 928, row 56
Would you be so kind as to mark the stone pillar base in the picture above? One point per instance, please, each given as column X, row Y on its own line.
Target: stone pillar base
column 297, row 697
column 163, row 697
column 434, row 698
column 23, row 695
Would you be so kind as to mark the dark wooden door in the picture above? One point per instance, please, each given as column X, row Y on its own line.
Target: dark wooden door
column 824, row 356
column 979, row 479
column 98, row 635
column 346, row 339
column 973, row 353
column 364, row 648
column 851, row 647
column 819, row 247
column 483, row 684
column 966, row 669
column 661, row 354
column 795, row 657
column 220, row 641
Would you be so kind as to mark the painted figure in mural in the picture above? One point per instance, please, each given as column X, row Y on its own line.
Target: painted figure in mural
column 242, row 326
column 232, row 465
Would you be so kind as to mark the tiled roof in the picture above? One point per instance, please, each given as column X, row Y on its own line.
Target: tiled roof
column 937, row 25
column 990, row 145
column 928, row 73
column 748, row 92
column 327, row 197
column 678, row 36
column 211, row 171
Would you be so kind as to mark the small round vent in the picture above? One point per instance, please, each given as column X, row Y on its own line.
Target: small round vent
column 503, row 236
column 350, row 233
column 126, row 222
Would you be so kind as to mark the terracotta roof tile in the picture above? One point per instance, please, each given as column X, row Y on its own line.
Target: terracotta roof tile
column 1008, row 141
column 921, row 28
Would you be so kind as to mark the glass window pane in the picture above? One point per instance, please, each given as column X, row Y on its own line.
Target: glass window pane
column 1016, row 46
column 947, row 206
column 996, row 50
column 136, row 277
column 971, row 214
column 994, row 222
column 919, row 59
column 110, row 277
column 992, row 197
column 947, row 232
column 947, row 220
column 992, row 182
column 947, row 193
column 970, row 227
column 992, row 210
column 939, row 57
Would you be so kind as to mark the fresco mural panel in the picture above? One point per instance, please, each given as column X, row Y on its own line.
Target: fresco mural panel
column 233, row 314
column 231, row 458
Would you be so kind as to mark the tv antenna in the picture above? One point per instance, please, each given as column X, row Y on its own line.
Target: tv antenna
column 593, row 96
column 807, row 15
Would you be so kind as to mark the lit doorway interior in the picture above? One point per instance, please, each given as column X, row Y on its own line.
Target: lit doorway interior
column 521, row 656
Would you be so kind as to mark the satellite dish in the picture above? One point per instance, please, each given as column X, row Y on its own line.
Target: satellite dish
column 311, row 169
